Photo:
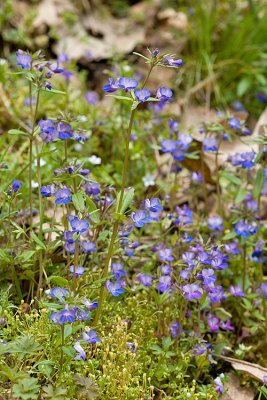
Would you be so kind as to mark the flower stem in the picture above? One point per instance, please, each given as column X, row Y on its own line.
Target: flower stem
column 62, row 344
column 118, row 210
column 244, row 275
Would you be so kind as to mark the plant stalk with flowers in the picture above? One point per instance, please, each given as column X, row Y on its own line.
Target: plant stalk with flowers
column 139, row 96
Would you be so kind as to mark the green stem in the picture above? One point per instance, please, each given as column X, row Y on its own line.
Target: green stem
column 16, row 281
column 62, row 344
column 41, row 215
column 75, row 265
column 218, row 188
column 31, row 137
column 244, row 275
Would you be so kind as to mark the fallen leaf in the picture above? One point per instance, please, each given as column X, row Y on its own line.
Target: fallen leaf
column 262, row 122
column 255, row 370
column 174, row 19
column 49, row 12
column 234, row 390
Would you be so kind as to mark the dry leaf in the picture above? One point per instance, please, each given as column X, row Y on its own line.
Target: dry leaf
column 174, row 19
column 49, row 11
column 262, row 122
column 255, row 370
column 234, row 391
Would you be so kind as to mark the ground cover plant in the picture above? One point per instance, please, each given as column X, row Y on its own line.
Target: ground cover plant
column 133, row 250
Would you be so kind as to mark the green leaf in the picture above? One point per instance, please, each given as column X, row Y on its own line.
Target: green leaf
column 24, row 346
column 241, row 194
column 67, row 331
column 258, row 183
column 243, row 87
column 78, row 201
column 46, row 368
column 93, row 210
column 26, row 389
column 229, row 176
column 17, row 132
column 120, row 97
column 58, row 280
column 38, row 241
column 90, row 389
column 52, row 91
column 229, row 236
column 68, row 350
column 127, row 200
column 54, row 393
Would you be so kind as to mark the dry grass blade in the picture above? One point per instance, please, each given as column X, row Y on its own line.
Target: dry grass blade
column 255, row 370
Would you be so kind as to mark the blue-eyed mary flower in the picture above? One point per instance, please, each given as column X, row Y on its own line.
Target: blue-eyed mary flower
column 63, row 196
column 16, row 185
column 127, row 83
column 24, row 60
column 81, row 353
column 78, row 225
column 192, row 291
column 142, row 95
column 91, row 337
column 140, row 218
column 164, row 93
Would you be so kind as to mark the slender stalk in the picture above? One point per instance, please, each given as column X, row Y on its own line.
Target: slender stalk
column 118, row 211
column 31, row 148
column 62, row 344
column 244, row 275
column 75, row 265
column 218, row 188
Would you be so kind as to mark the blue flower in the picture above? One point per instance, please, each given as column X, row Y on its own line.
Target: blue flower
column 64, row 131
column 23, row 60
column 127, row 83
column 164, row 284
column 118, row 271
column 63, row 316
column 140, row 218
column 164, row 93
column 174, row 329
column 78, row 225
column 58, row 293
column 210, row 144
column 169, row 60
column 144, row 279
column 80, row 350
column 192, row 291
column 48, row 191
column 168, row 145
column 16, row 185
column 90, row 305
column 234, row 123
column 91, row 188
column 153, row 204
column 91, row 98
column 112, row 86
column 215, row 223
column 63, row 196
column 79, row 271
column 91, row 337
column 142, row 95
column 165, row 255
column 46, row 125
column 89, row 247
column 116, row 288
column 244, row 229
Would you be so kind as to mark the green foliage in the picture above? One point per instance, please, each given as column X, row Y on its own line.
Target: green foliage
column 26, row 389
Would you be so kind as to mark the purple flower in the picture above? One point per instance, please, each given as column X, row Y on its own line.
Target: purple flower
column 227, row 325
column 153, row 204
column 164, row 284
column 89, row 247
column 91, row 188
column 215, row 223
column 140, row 218
column 16, row 185
column 164, row 93
column 166, row 269
column 63, row 316
column 118, row 271
column 244, row 229
column 184, row 141
column 219, row 385
column 244, row 160
column 168, row 145
column 174, row 125
column 185, row 215
column 48, row 191
column 165, row 255
column 91, row 337
column 213, row 323
column 219, row 263
column 169, row 60
column 155, row 52
column 23, row 60
column 81, row 315
column 91, row 98
column 116, row 288
column 77, row 272
column 231, row 248
column 46, row 125
column 208, row 276
column 131, row 346
column 142, row 95
column 210, row 144
column 80, row 350
column 89, row 305
column 64, row 131
column 63, row 196
column 236, row 291
column 111, row 86
column 192, row 291
column 174, row 329
column 58, row 293
column 263, row 290
column 234, row 123
column 144, row 279
column 78, row 225
column 127, row 83
column 189, row 258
